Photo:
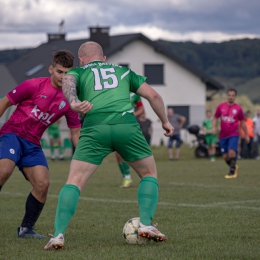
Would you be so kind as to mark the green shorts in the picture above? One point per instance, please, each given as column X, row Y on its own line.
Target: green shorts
column 96, row 142
column 210, row 139
column 54, row 134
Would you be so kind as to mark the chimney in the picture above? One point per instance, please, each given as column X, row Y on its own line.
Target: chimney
column 56, row 37
column 100, row 35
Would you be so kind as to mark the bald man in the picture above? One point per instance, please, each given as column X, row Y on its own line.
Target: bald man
column 109, row 126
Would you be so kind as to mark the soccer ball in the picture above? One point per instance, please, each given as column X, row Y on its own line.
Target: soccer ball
column 130, row 232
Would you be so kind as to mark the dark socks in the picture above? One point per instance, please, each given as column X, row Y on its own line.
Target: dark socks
column 33, row 209
column 1, row 187
column 228, row 162
column 232, row 165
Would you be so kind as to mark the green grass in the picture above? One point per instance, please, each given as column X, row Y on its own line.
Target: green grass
column 204, row 215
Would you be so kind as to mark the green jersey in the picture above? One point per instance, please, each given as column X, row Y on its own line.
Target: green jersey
column 106, row 86
column 207, row 123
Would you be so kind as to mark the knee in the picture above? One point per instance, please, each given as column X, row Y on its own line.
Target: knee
column 43, row 186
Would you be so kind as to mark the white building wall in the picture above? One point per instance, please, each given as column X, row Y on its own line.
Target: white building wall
column 181, row 87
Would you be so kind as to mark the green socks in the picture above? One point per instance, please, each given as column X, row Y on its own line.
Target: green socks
column 67, row 204
column 124, row 168
column 147, row 199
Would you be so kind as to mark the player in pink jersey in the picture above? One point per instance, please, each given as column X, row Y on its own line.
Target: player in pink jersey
column 40, row 102
column 230, row 115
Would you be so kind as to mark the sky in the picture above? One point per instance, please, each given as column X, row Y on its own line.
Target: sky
column 25, row 23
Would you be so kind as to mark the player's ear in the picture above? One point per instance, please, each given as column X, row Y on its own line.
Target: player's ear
column 104, row 58
column 51, row 69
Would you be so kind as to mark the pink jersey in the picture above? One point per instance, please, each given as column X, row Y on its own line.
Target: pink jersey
column 229, row 118
column 39, row 104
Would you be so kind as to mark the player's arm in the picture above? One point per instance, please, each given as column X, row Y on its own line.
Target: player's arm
column 4, row 104
column 74, row 133
column 69, row 91
column 182, row 121
column 157, row 105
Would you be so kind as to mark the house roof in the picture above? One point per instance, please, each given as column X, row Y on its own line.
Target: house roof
column 36, row 62
column 7, row 82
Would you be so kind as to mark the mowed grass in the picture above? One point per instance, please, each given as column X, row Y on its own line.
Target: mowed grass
column 204, row 215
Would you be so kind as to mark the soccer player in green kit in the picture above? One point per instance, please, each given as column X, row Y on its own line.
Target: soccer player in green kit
column 138, row 109
column 109, row 126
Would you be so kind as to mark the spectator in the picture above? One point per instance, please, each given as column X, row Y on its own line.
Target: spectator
column 210, row 138
column 146, row 127
column 177, row 121
column 247, row 147
column 256, row 121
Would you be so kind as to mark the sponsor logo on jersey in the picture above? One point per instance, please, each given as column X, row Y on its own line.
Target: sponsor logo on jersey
column 12, row 151
column 45, row 117
column 62, row 104
column 228, row 119
column 14, row 91
column 43, row 96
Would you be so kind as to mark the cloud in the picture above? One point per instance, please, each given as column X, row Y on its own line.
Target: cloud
column 177, row 19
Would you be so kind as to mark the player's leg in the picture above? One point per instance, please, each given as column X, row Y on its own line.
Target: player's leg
column 52, row 147
column 58, row 141
column 125, row 170
column 232, row 155
column 178, row 147
column 6, row 169
column 9, row 155
column 131, row 144
column 80, row 172
column 170, row 141
column 38, row 176
column 147, row 197
column 84, row 163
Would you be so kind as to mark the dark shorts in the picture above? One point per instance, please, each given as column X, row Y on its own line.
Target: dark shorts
column 97, row 141
column 177, row 138
column 229, row 143
column 21, row 151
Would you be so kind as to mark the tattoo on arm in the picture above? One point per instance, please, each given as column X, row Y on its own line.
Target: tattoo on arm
column 69, row 88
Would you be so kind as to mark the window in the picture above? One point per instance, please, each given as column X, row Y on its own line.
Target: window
column 124, row 65
column 154, row 74
column 183, row 111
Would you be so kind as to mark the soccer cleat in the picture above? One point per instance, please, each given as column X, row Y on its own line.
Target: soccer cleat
column 26, row 232
column 127, row 183
column 234, row 175
column 55, row 243
column 151, row 232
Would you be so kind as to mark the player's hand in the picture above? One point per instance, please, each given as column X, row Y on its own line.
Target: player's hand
column 169, row 129
column 81, row 107
column 247, row 139
column 214, row 130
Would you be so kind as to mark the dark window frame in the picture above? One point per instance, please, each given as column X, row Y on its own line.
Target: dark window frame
column 154, row 73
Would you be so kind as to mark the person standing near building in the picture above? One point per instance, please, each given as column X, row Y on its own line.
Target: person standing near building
column 256, row 121
column 210, row 138
column 230, row 115
column 177, row 121
column 247, row 147
column 146, row 127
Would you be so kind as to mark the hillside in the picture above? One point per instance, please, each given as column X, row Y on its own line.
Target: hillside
column 234, row 63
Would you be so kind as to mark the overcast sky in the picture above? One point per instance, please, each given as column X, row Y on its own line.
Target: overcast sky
column 24, row 23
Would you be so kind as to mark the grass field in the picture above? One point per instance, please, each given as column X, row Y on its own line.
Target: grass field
column 204, row 215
